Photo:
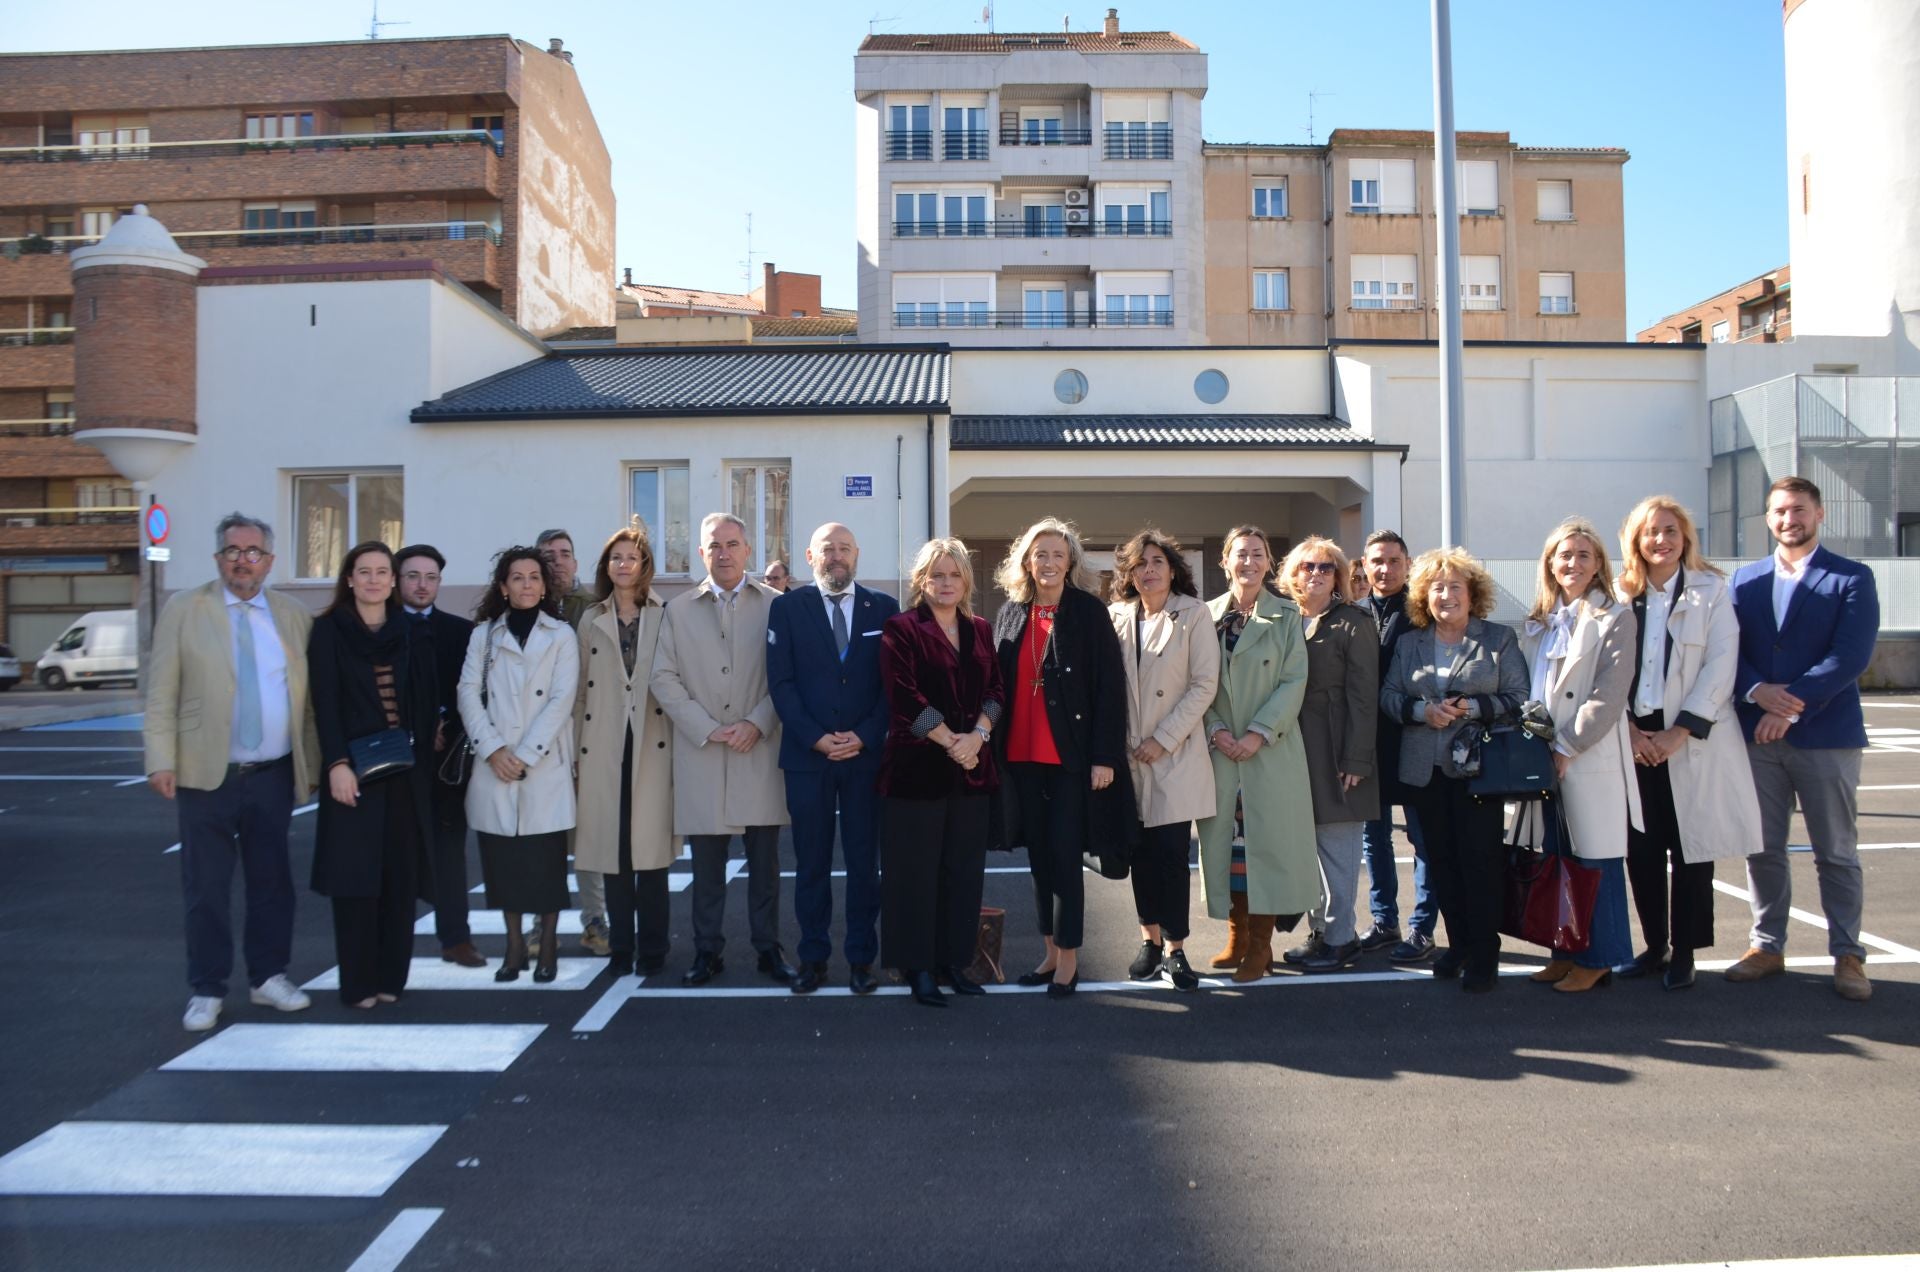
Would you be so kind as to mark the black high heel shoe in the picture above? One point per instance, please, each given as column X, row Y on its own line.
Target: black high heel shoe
column 1039, row 976
column 513, row 964
column 548, row 965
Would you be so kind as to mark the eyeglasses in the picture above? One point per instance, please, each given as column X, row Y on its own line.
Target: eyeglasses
column 252, row 556
column 1318, row 567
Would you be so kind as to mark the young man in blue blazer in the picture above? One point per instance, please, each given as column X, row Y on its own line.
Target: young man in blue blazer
column 823, row 671
column 1808, row 622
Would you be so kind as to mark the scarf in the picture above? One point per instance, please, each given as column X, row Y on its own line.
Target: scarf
column 1556, row 637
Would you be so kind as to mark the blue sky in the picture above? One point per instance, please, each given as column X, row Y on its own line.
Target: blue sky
column 714, row 110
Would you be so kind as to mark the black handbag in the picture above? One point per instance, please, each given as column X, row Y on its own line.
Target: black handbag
column 457, row 765
column 381, row 754
column 1513, row 765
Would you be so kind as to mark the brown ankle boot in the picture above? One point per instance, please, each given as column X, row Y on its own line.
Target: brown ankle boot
column 1236, row 935
column 1554, row 972
column 1258, row 955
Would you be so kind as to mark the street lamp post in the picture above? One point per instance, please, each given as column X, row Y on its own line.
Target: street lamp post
column 1453, row 511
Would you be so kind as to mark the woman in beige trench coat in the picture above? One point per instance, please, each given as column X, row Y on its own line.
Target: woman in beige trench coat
column 1696, row 787
column 1173, row 671
column 1270, row 875
column 625, row 758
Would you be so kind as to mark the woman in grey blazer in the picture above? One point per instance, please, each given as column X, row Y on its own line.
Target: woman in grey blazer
column 1452, row 668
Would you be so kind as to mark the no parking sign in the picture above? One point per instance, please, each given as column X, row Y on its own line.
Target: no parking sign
column 157, row 524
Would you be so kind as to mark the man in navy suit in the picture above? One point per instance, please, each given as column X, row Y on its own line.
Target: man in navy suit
column 823, row 670
column 1808, row 622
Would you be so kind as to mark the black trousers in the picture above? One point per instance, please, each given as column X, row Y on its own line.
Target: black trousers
column 373, row 936
column 244, row 822
column 449, row 872
column 1686, row 895
column 1467, row 861
column 933, row 855
column 1161, row 880
column 636, row 899
column 1053, row 825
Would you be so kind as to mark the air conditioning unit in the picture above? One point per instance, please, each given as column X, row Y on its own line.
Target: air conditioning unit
column 1077, row 197
column 1076, row 216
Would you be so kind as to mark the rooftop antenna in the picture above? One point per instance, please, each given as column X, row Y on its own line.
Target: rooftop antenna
column 876, row 20
column 1311, row 98
column 986, row 16
column 746, row 266
column 373, row 27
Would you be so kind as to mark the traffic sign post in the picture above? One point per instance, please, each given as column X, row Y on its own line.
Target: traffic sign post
column 157, row 524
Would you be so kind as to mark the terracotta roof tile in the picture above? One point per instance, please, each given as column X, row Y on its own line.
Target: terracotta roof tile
column 1027, row 42
column 690, row 298
column 773, row 326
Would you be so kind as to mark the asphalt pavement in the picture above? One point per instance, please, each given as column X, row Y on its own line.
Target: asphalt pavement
column 1375, row 1119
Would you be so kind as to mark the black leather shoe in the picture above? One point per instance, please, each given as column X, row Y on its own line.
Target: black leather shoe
column 1480, row 982
column 774, row 966
column 1063, row 989
column 1181, row 973
column 1448, row 965
column 926, row 991
column 861, row 980
column 1031, row 979
column 1679, row 974
column 620, row 962
column 1645, row 963
column 963, row 983
column 811, row 977
column 651, row 965
column 705, row 968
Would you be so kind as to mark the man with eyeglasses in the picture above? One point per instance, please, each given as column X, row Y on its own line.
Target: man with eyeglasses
column 230, row 738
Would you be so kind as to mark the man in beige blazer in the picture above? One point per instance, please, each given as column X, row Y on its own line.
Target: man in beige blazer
column 230, row 737
column 710, row 675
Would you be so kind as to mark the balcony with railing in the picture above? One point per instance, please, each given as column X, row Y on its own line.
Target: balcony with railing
column 1031, row 136
column 453, row 159
column 1089, row 228
column 46, row 426
column 73, row 529
column 1123, row 142
column 466, row 250
column 929, row 144
column 955, row 318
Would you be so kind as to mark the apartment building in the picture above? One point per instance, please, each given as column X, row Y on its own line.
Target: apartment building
column 1758, row 310
column 1031, row 188
column 1340, row 241
column 478, row 153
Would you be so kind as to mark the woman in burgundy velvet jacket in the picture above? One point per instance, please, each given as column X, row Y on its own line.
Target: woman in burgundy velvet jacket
column 942, row 679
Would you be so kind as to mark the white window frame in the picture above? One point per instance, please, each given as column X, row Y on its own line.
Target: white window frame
column 1145, row 197
column 934, row 297
column 1384, row 187
column 1275, row 188
column 297, row 545
column 1479, row 283
column 1270, row 285
column 1146, row 298
column 765, row 542
column 1479, row 184
column 1044, row 287
column 110, row 133
column 94, row 222
column 1721, row 332
column 1558, row 301
column 940, row 226
column 1375, row 283
column 1140, row 123
column 1542, row 212
column 280, row 125
column 671, row 539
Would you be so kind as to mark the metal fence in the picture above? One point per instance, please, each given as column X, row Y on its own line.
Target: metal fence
column 1856, row 437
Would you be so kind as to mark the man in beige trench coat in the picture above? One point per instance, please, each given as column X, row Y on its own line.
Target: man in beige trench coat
column 710, row 675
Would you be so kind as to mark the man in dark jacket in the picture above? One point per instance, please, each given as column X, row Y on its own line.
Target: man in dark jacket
column 419, row 567
column 1387, row 564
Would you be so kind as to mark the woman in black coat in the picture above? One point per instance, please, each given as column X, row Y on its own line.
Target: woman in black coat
column 368, row 676
column 1062, row 736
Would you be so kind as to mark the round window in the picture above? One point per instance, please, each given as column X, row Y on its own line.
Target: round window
column 1071, row 387
column 1210, row 387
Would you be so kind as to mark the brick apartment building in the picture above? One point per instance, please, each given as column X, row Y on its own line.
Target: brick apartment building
column 479, row 153
column 1760, row 309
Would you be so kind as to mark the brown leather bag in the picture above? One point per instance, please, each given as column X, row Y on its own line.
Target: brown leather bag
column 986, row 962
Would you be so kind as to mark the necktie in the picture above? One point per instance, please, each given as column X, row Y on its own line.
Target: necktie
column 839, row 625
column 247, row 682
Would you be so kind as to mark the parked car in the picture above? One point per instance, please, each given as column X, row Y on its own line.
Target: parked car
column 9, row 668
column 99, row 647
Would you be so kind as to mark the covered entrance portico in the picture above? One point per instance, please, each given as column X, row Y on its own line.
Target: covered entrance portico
column 1193, row 478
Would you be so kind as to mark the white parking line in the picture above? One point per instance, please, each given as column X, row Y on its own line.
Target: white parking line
column 356, row 1048
column 493, row 923
column 1834, row 1263
column 396, row 1240
column 1901, row 952
column 174, row 1159
column 436, row 973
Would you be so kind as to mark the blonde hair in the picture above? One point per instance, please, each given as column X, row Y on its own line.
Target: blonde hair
column 1430, row 565
column 1546, row 592
column 1012, row 576
column 1633, row 566
column 1243, row 532
column 1316, row 546
column 923, row 562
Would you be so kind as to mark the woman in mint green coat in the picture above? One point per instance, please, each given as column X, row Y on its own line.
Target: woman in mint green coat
column 1258, row 861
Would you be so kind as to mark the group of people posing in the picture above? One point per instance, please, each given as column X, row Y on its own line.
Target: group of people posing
column 1284, row 719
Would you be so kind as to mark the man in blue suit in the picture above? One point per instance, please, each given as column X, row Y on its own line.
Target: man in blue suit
column 1808, row 622
column 823, row 670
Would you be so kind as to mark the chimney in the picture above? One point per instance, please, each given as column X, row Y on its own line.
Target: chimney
column 1066, row 23
column 557, row 47
column 626, row 279
column 769, row 288
column 1113, row 24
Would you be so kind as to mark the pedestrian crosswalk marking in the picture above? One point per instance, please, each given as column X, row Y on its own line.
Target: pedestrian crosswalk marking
column 176, row 1159
column 359, row 1048
column 492, row 923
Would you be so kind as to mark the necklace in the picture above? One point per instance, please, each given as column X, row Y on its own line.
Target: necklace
column 1039, row 650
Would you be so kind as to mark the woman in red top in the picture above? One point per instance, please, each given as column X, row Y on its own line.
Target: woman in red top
column 1063, row 734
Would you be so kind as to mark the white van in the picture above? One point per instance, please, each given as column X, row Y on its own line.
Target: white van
column 103, row 645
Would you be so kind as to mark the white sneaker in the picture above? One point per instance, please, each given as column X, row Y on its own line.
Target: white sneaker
column 280, row 994
column 203, row 1013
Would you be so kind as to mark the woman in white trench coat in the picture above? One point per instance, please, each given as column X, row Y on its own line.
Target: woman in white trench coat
column 1579, row 642
column 1696, row 787
column 516, row 700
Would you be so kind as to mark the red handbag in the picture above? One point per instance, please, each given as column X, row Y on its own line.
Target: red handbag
column 1549, row 895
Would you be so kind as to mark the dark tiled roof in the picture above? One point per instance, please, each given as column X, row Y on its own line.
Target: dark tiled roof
column 581, row 333
column 731, row 381
column 1026, row 42
column 771, row 325
column 1068, row 432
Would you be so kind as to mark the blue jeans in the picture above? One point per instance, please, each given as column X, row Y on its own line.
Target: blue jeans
column 1383, row 890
